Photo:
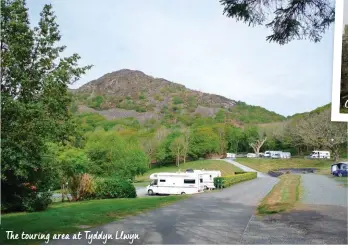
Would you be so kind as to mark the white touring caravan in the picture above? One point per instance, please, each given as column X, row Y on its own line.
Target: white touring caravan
column 320, row 155
column 272, row 154
column 277, row 155
column 208, row 177
column 285, row 155
column 175, row 183
column 230, row 155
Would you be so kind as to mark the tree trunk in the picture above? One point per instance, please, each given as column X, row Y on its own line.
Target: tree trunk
column 62, row 191
column 336, row 154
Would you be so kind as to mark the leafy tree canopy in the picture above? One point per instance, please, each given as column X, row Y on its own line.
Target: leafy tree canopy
column 288, row 19
column 34, row 97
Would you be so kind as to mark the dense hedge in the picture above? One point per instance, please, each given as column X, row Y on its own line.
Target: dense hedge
column 240, row 172
column 114, row 188
column 226, row 181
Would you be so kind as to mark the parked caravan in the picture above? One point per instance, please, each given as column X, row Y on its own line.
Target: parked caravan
column 320, row 155
column 251, row 155
column 175, row 183
column 272, row 154
column 285, row 155
column 230, row 155
column 208, row 177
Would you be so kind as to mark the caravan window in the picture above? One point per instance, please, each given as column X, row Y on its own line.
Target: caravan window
column 154, row 182
column 189, row 181
column 201, row 180
column 162, row 180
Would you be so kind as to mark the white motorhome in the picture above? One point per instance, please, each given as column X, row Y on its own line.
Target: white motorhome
column 320, row 155
column 208, row 177
column 175, row 183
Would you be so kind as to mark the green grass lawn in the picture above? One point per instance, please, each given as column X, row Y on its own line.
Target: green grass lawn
column 225, row 168
column 265, row 165
column 282, row 197
column 76, row 216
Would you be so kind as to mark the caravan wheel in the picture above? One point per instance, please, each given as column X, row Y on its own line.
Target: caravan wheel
column 183, row 193
column 150, row 192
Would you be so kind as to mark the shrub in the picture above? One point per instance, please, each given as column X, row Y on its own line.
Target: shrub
column 240, row 172
column 114, row 188
column 227, row 181
column 37, row 201
column 177, row 100
column 87, row 187
column 140, row 109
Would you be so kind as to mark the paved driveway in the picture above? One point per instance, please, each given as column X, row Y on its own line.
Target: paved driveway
column 322, row 190
column 218, row 217
column 245, row 168
column 319, row 218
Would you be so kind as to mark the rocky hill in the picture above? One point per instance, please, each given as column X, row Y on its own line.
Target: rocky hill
column 131, row 93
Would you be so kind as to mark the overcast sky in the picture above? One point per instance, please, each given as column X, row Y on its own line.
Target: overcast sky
column 192, row 43
column 345, row 13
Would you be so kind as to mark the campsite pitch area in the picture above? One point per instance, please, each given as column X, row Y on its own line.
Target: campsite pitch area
column 265, row 165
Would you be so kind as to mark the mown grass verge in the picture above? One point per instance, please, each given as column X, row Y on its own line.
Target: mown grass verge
column 282, row 197
column 76, row 216
column 265, row 165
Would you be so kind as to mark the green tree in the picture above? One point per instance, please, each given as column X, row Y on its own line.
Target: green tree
column 234, row 138
column 113, row 155
column 164, row 153
column 34, row 98
column 73, row 163
column 220, row 130
column 317, row 131
column 203, row 141
column 176, row 149
column 288, row 19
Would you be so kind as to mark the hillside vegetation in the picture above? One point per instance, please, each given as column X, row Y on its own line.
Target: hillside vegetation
column 115, row 94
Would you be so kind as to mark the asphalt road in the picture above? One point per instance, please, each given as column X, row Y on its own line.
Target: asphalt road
column 228, row 217
column 218, row 217
column 321, row 190
column 320, row 217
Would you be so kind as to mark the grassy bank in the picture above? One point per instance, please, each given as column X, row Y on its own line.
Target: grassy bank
column 265, row 165
column 282, row 197
column 225, row 168
column 76, row 216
